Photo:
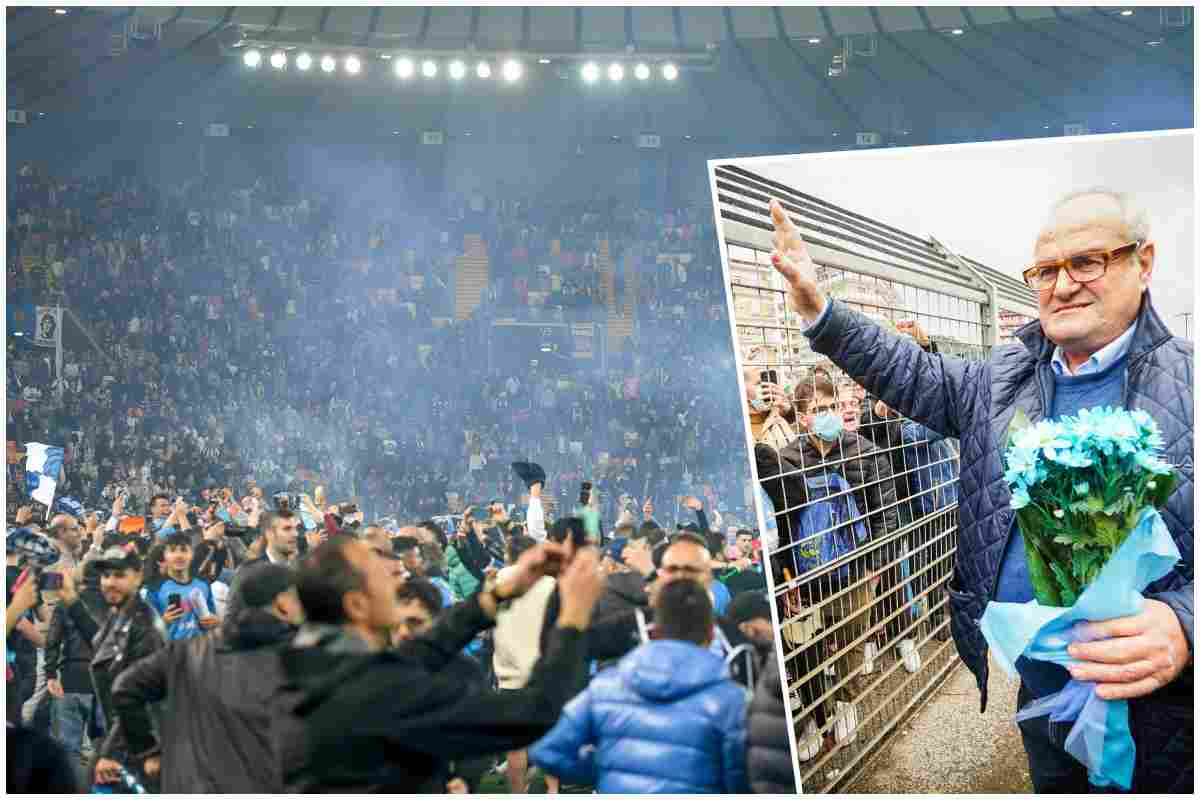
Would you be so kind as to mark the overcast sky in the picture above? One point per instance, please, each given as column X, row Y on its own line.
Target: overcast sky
column 988, row 201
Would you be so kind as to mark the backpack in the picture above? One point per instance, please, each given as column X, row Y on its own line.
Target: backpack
column 826, row 515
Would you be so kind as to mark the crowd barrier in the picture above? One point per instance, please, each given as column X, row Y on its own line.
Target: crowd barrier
column 865, row 632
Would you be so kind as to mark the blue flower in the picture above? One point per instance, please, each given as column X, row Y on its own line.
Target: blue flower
column 1152, row 464
column 1020, row 497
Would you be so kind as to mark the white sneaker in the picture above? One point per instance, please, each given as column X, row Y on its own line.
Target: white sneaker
column 910, row 655
column 845, row 726
column 869, row 653
column 810, row 742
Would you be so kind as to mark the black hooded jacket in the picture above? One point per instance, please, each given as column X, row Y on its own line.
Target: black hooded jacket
column 217, row 691
column 768, row 757
column 357, row 721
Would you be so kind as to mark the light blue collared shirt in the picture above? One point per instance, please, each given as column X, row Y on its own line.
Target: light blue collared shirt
column 1100, row 360
column 805, row 327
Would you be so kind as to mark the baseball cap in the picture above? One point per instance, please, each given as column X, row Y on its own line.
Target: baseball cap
column 117, row 558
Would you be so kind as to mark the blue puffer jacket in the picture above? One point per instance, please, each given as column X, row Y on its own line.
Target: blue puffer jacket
column 975, row 401
column 666, row 719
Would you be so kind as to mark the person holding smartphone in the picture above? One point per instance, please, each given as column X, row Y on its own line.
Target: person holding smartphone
column 184, row 601
column 764, row 394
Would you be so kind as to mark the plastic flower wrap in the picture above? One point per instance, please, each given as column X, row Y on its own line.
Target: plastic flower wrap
column 1086, row 490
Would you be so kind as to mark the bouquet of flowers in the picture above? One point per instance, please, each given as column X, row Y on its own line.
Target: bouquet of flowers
column 1086, row 490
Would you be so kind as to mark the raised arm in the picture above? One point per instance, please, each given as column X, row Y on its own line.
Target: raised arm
column 535, row 515
column 932, row 389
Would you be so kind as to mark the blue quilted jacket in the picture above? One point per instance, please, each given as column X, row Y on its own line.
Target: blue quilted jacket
column 976, row 400
column 666, row 719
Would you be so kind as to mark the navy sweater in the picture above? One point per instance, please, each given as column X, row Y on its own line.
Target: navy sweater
column 1071, row 394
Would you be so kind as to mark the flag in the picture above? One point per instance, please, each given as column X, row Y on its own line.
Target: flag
column 48, row 329
column 43, row 469
column 131, row 524
column 69, row 505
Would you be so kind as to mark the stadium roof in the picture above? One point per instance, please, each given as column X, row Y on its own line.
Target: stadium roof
column 801, row 72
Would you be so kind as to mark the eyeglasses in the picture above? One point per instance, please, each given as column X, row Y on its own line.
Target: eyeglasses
column 1081, row 268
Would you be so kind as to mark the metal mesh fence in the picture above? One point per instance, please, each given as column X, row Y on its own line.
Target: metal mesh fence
column 864, row 500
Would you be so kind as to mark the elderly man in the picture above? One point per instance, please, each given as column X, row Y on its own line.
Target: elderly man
column 1098, row 341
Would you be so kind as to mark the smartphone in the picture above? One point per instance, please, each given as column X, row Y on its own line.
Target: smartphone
column 50, row 582
column 174, row 601
column 768, row 376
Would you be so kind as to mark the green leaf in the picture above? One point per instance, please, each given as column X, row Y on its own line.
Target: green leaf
column 1085, row 563
column 1044, row 587
column 1164, row 485
column 1069, row 589
column 1109, row 532
column 1118, row 506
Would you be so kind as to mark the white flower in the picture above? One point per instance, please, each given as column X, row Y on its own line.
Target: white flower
column 1059, row 513
column 1151, row 485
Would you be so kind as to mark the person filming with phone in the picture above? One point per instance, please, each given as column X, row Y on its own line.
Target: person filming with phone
column 359, row 716
column 767, row 403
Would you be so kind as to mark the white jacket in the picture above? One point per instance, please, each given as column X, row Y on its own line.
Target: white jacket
column 518, row 634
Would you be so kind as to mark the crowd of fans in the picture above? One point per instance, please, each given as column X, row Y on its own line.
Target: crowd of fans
column 848, row 480
column 257, row 331
column 245, row 352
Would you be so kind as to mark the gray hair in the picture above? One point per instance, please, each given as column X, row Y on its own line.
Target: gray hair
column 1133, row 215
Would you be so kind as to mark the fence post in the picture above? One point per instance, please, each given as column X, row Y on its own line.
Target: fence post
column 989, row 312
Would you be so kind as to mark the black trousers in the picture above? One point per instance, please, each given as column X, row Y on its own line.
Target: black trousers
column 1162, row 732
